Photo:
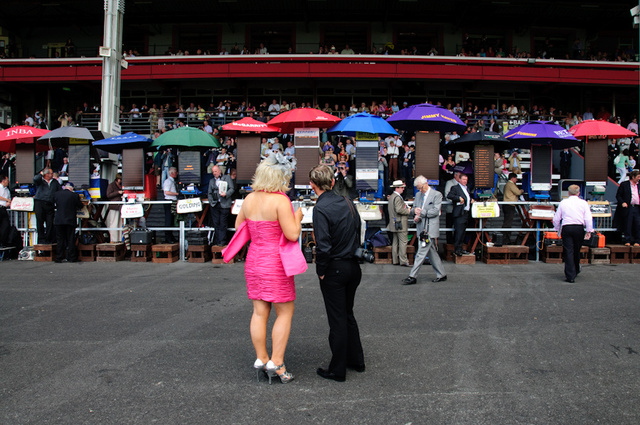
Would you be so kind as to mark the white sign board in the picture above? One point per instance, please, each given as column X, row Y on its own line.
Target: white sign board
column 235, row 208
column 189, row 205
column 132, row 211
column 22, row 204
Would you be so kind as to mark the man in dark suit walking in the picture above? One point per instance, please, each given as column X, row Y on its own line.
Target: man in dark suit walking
column 627, row 214
column 461, row 199
column 67, row 206
column 220, row 193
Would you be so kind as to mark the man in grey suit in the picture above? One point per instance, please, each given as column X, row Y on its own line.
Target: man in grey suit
column 220, row 201
column 426, row 210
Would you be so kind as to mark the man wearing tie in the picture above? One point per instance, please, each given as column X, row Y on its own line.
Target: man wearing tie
column 220, row 190
column 461, row 199
column 628, row 211
column 570, row 220
column 426, row 213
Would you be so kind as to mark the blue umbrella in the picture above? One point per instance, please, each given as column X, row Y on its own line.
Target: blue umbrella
column 363, row 123
column 540, row 133
column 426, row 117
column 126, row 141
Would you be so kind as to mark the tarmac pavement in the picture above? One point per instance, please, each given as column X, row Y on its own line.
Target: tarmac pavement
column 138, row 343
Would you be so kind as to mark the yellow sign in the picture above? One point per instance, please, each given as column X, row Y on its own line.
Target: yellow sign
column 485, row 210
column 366, row 136
column 73, row 141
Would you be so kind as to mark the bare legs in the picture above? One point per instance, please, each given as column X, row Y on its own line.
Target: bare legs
column 279, row 333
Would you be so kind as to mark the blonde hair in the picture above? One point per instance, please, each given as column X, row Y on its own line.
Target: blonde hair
column 272, row 175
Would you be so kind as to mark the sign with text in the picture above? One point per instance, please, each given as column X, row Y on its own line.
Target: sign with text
column 132, row 211
column 22, row 204
column 485, row 210
column 189, row 205
column 483, row 166
column 600, row 208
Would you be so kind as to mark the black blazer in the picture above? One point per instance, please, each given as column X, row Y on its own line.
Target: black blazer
column 623, row 195
column 67, row 206
column 454, row 196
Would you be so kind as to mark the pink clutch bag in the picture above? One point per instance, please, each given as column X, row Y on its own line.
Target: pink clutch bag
column 292, row 257
column 239, row 239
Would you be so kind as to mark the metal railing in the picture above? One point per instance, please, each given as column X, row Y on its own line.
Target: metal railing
column 601, row 224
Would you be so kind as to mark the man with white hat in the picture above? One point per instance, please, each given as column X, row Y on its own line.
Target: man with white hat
column 398, row 224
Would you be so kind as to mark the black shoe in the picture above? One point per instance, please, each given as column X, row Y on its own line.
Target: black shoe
column 466, row 253
column 570, row 280
column 409, row 281
column 357, row 367
column 439, row 279
column 330, row 375
column 58, row 261
column 458, row 253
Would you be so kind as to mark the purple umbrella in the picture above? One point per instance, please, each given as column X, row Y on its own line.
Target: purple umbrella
column 540, row 133
column 426, row 117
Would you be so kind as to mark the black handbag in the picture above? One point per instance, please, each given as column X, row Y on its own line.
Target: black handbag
column 398, row 224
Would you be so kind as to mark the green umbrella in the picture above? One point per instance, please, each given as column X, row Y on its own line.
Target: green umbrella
column 187, row 137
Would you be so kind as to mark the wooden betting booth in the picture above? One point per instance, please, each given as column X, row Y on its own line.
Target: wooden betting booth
column 541, row 167
column 80, row 163
column 595, row 168
column 248, row 157
column 307, row 144
column 133, row 169
column 25, row 163
column 427, row 154
column 483, row 166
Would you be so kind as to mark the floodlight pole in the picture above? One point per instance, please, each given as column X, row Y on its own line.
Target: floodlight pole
column 111, row 53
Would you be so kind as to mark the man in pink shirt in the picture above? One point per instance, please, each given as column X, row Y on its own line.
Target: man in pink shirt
column 571, row 219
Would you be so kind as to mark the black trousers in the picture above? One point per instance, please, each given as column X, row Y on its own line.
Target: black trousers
column 45, row 212
column 339, row 290
column 4, row 226
column 572, row 237
column 509, row 212
column 168, row 222
column 219, row 219
column 66, row 240
column 632, row 226
column 460, row 226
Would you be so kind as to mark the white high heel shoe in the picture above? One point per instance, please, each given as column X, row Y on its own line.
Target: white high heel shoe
column 259, row 367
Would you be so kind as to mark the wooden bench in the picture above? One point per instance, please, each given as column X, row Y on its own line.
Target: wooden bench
column 620, row 254
column 110, row 252
column 216, row 255
column 199, row 253
column 584, row 255
column 141, row 252
column 382, row 255
column 87, row 252
column 552, row 254
column 165, row 253
column 464, row 259
column 506, row 254
column 599, row 256
column 45, row 252
column 635, row 254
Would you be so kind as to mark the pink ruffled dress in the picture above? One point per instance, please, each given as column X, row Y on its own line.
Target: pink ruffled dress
column 266, row 279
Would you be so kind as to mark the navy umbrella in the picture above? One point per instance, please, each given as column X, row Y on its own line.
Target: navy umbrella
column 426, row 117
column 126, row 141
column 540, row 133
column 470, row 140
column 363, row 123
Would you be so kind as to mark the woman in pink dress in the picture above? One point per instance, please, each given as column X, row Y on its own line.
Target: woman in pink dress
column 269, row 215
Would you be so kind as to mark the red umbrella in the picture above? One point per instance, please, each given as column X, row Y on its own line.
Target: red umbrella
column 247, row 125
column 21, row 134
column 600, row 128
column 301, row 118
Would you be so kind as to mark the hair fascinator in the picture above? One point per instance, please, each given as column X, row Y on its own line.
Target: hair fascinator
column 279, row 161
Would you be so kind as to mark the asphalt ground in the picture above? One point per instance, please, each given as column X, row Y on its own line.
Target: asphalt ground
column 134, row 343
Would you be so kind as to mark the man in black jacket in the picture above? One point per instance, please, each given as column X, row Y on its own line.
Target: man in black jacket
column 461, row 199
column 46, row 187
column 67, row 205
column 336, row 225
column 627, row 214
